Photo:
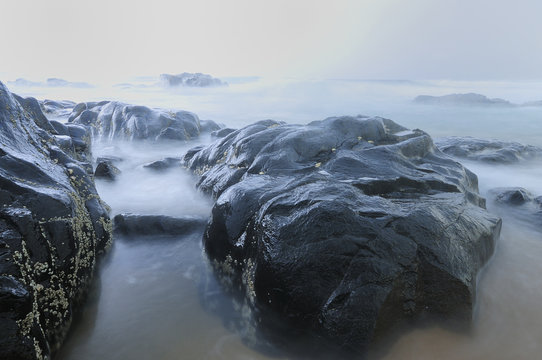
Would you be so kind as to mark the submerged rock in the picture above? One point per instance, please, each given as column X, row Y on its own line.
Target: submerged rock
column 114, row 120
column 145, row 225
column 53, row 226
column 343, row 228
column 164, row 164
column 491, row 151
column 518, row 203
column 191, row 80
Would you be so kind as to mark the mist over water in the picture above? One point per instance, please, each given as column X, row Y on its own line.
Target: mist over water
column 155, row 296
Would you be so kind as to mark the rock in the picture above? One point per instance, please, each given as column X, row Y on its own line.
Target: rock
column 106, row 170
column 115, row 120
column 164, row 164
column 112, row 159
column 33, row 110
column 191, row 80
column 57, row 110
column 222, row 132
column 469, row 99
column 343, row 229
column 512, row 196
column 518, row 203
column 208, row 126
column 50, row 82
column 56, row 82
column 145, row 225
column 60, row 128
column 491, row 151
column 24, row 83
column 53, row 227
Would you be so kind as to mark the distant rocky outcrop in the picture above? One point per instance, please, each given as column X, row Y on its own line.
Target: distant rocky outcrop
column 191, row 80
column 50, row 82
column 53, row 227
column 342, row 229
column 470, row 99
column 491, row 151
column 115, row 120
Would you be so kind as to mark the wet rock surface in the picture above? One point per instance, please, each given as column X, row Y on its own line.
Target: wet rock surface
column 489, row 151
column 222, row 132
column 343, row 229
column 145, row 225
column 106, row 170
column 163, row 164
column 518, row 203
column 114, row 120
column 53, row 227
column 57, row 110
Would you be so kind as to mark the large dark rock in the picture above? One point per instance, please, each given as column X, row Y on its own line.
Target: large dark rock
column 53, row 226
column 490, row 151
column 343, row 228
column 115, row 120
column 191, row 80
column 470, row 99
column 145, row 225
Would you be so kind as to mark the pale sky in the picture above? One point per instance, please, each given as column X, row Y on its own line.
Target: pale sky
column 103, row 40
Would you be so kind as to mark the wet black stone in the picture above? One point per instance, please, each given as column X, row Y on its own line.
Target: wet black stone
column 489, row 151
column 519, row 204
column 342, row 229
column 145, row 225
column 106, row 170
column 53, row 227
column 164, row 164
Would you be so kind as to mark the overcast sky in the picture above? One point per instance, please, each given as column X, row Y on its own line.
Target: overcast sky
column 103, row 40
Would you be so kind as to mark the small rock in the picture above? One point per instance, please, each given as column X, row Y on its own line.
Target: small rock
column 107, row 171
column 144, row 225
column 164, row 164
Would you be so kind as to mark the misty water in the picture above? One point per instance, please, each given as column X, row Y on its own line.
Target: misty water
column 156, row 298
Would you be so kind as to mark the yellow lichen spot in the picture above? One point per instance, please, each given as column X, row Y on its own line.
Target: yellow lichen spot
column 333, row 149
column 261, row 173
column 371, row 142
column 359, row 138
column 272, row 126
column 318, row 164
